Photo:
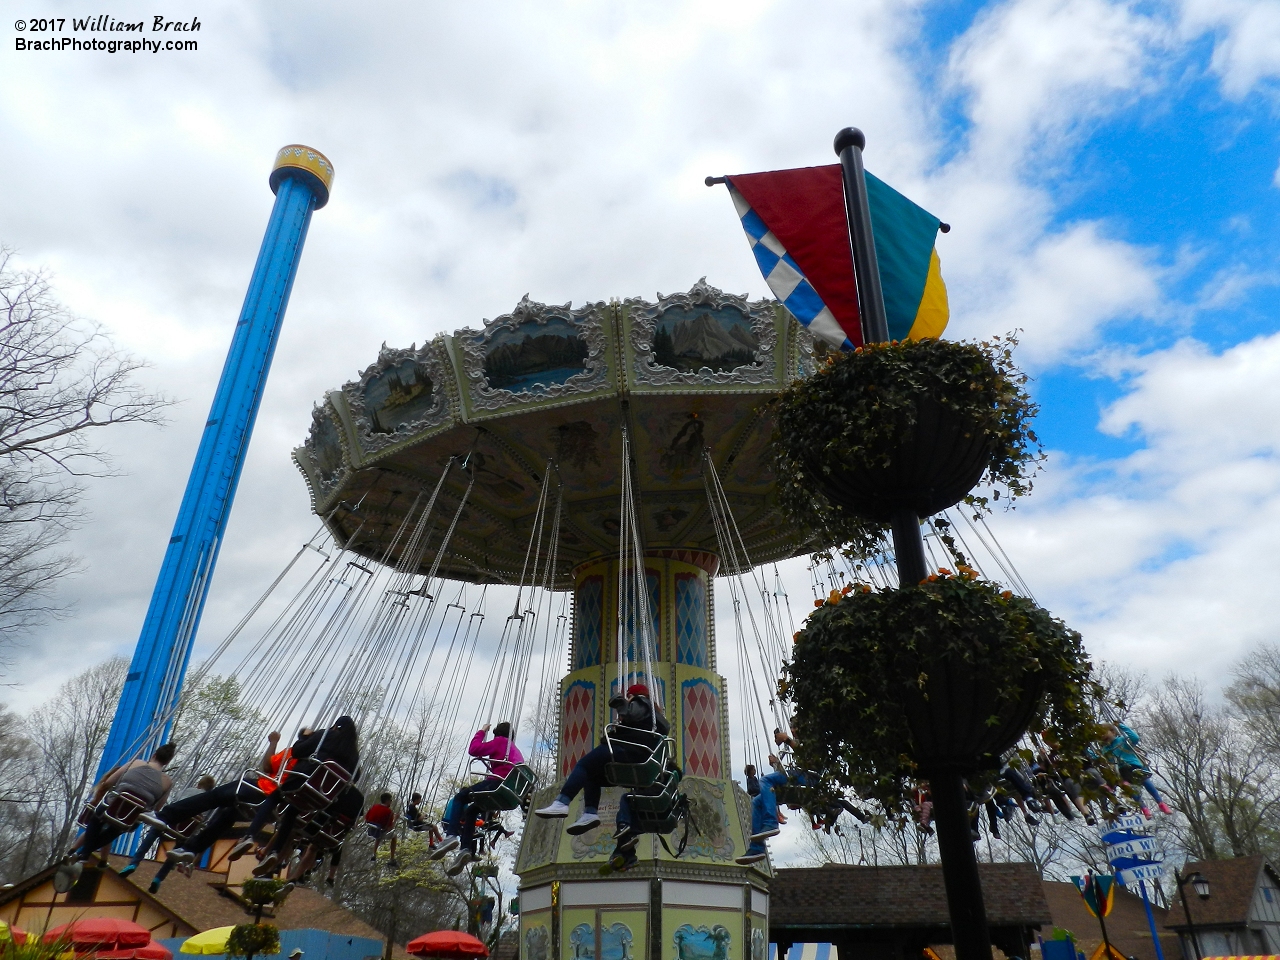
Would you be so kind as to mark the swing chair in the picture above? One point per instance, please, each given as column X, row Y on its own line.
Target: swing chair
column 512, row 792
column 657, row 749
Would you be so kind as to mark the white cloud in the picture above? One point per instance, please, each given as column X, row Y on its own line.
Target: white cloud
column 1161, row 558
column 485, row 152
column 1246, row 48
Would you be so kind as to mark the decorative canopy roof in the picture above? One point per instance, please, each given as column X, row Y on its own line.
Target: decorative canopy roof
column 551, row 388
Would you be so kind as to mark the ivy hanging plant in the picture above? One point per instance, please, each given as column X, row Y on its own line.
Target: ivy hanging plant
column 911, row 424
column 891, row 684
column 253, row 939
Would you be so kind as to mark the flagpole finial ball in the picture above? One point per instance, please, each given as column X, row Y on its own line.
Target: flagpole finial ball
column 306, row 164
column 850, row 136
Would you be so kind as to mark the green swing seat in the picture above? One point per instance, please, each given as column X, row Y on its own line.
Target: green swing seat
column 655, row 748
column 512, row 792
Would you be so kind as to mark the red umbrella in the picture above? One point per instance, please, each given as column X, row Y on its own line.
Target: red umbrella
column 452, row 944
column 16, row 934
column 105, row 932
column 151, row 951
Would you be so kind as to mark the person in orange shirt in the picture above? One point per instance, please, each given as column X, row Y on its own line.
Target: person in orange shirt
column 224, row 800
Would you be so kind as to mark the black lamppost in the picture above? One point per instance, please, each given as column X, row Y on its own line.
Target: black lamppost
column 1200, row 884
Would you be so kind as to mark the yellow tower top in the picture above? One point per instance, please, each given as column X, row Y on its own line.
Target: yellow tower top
column 309, row 164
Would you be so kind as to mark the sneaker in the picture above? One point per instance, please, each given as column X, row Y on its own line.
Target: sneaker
column 268, row 866
column 155, row 887
column 179, row 857
column 243, row 846
column 187, row 870
column 995, row 831
column 330, row 881
column 71, row 871
column 765, row 834
column 1146, row 812
column 747, row 859
column 554, row 811
column 588, row 821
column 460, row 862
column 623, row 859
column 392, row 865
column 448, row 846
column 1031, row 821
column 128, row 868
column 1164, row 807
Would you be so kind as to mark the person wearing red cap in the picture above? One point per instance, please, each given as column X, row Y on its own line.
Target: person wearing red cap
column 636, row 710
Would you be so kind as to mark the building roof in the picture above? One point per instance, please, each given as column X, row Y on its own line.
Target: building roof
column 839, row 895
column 201, row 901
column 1127, row 927
column 1232, row 885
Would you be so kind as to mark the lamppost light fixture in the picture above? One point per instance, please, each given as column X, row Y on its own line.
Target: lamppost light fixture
column 1201, row 885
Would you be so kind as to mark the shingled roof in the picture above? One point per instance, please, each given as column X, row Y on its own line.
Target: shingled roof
column 1232, row 885
column 839, row 895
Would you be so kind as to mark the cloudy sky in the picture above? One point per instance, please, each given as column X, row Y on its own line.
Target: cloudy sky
column 1109, row 169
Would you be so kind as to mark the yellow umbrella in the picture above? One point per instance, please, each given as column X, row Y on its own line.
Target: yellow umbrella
column 211, row 941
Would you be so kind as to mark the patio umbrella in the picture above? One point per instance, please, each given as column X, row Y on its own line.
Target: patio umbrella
column 105, row 932
column 211, row 941
column 449, row 944
column 150, row 951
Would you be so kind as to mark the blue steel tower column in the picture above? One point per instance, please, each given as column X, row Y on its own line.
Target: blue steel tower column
column 301, row 178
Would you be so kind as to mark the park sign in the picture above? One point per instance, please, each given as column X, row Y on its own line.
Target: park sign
column 1132, row 852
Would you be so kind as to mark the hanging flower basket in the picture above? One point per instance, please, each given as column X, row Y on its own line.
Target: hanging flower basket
column 893, row 684
column 910, row 425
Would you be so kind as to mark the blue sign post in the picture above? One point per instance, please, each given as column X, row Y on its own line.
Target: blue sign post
column 301, row 179
column 1136, row 858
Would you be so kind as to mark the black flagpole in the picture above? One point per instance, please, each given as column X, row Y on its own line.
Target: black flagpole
column 951, row 808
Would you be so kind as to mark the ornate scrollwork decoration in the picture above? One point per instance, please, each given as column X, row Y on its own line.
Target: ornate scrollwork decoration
column 401, row 394
column 325, row 449
column 501, row 371
column 719, row 339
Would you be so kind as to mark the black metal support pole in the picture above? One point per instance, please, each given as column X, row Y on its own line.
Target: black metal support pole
column 960, row 868
column 1186, row 911
column 1102, row 923
column 908, row 548
column 849, row 144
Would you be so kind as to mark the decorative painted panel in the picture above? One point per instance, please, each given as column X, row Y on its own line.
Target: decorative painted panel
column 704, row 337
column 712, row 836
column 700, row 713
column 401, row 395
column 691, row 619
column 634, row 653
column 536, row 352
column 579, row 723
column 536, row 941
column 588, row 622
column 702, row 942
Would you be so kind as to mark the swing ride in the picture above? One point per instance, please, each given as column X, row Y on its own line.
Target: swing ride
column 601, row 464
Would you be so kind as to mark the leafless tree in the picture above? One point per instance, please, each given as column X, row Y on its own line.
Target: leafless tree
column 1219, row 777
column 23, row 835
column 1255, row 694
column 69, row 731
column 61, row 381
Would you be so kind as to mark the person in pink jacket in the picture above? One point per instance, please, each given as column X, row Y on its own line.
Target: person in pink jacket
column 460, row 815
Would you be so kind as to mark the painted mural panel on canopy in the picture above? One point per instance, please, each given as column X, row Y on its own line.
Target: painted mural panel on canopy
column 697, row 338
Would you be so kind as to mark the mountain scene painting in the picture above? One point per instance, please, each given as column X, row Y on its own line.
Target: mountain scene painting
column 689, row 339
column 535, row 353
column 398, row 395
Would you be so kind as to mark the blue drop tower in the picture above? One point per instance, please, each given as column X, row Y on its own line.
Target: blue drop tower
column 301, row 179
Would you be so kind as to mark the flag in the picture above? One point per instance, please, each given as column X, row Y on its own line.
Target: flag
column 1099, row 893
column 796, row 224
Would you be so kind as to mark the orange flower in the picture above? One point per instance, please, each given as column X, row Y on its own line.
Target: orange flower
column 818, row 603
column 833, row 597
column 1006, row 595
column 844, row 591
column 944, row 571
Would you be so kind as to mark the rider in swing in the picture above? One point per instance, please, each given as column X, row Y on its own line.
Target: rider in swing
column 635, row 710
